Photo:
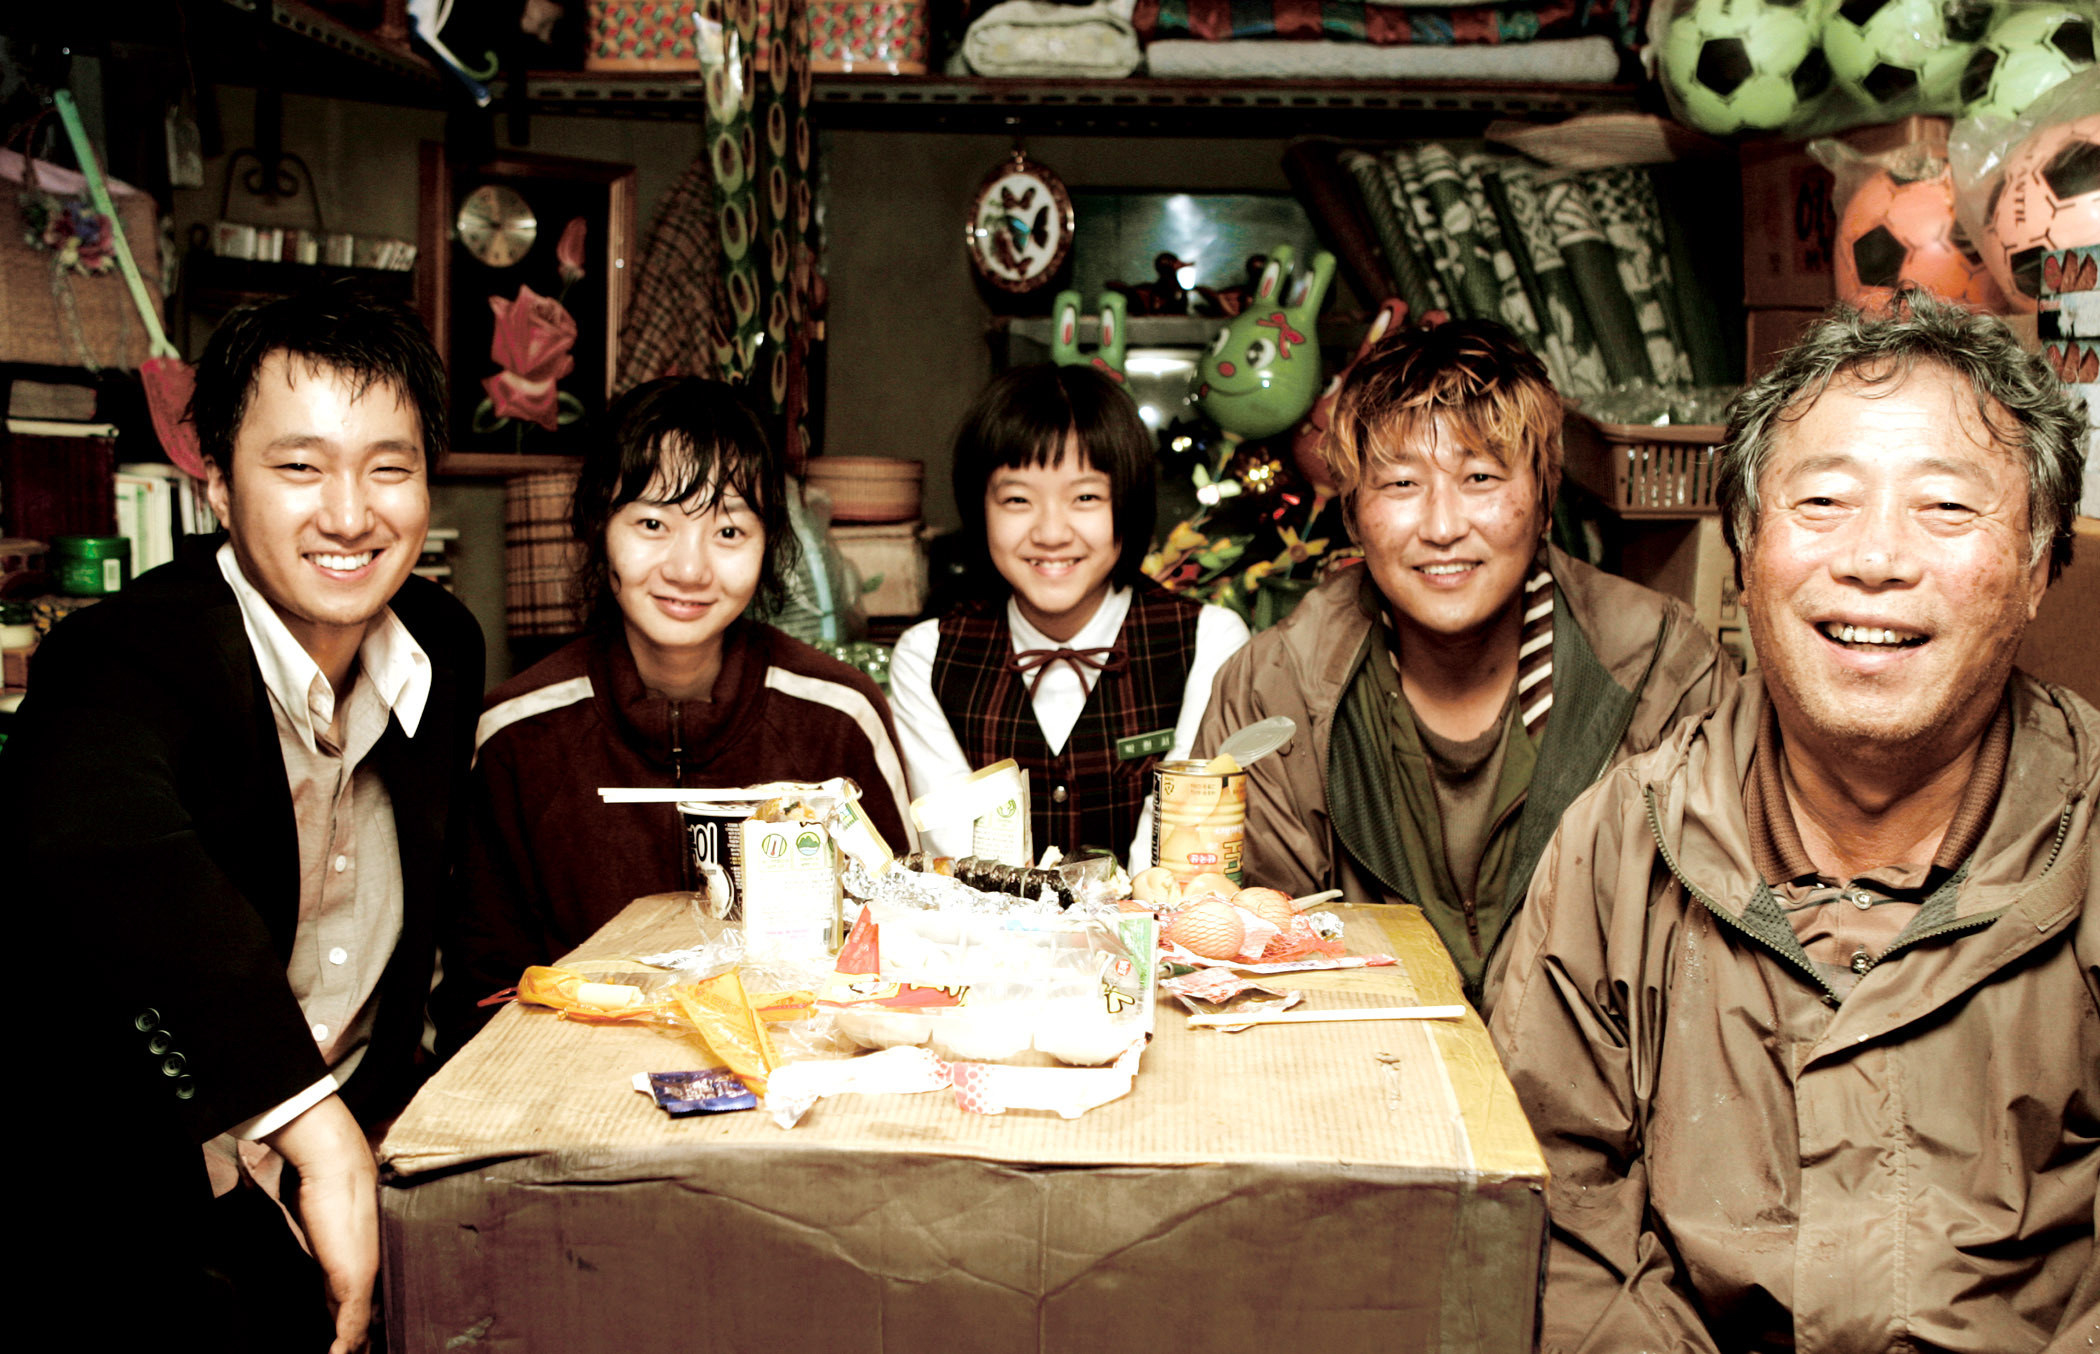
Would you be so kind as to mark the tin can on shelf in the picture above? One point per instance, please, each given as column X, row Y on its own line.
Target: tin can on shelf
column 1198, row 818
column 89, row 566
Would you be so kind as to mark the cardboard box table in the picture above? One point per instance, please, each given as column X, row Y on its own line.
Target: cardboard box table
column 1323, row 1187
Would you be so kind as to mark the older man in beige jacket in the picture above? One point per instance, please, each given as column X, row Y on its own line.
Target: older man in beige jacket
column 1805, row 1004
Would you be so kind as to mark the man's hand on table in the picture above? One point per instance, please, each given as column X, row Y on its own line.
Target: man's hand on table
column 339, row 1208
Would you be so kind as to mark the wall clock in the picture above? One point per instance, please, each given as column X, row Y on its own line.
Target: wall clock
column 1020, row 226
column 496, row 225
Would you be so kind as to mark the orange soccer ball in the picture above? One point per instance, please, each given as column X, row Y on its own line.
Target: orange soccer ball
column 1896, row 231
column 2048, row 200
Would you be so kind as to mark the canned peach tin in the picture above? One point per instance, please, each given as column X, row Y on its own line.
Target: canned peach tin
column 1197, row 820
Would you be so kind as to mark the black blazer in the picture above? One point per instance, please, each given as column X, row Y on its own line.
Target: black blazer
column 144, row 776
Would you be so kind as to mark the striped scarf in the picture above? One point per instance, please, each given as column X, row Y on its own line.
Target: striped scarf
column 1535, row 649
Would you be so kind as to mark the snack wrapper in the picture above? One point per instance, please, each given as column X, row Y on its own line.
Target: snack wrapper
column 894, row 1071
column 729, row 1022
column 714, row 1090
column 1068, row 1092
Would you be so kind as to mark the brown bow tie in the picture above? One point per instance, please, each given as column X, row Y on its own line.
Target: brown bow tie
column 1035, row 663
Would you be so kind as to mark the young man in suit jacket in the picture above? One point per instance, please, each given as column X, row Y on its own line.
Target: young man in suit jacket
column 232, row 783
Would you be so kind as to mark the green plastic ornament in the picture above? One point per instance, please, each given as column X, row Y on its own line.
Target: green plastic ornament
column 1263, row 370
column 1108, row 359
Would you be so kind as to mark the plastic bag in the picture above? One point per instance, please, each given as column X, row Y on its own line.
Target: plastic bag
column 2027, row 186
column 1896, row 226
column 1744, row 67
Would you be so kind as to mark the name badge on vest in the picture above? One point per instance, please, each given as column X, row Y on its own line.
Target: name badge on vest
column 1141, row 745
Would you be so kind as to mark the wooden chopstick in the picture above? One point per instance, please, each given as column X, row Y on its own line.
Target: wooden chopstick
column 1313, row 1017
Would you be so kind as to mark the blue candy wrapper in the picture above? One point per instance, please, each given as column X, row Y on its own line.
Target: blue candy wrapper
column 714, row 1091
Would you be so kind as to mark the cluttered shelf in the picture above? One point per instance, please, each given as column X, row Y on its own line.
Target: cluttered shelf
column 1104, row 106
column 256, row 39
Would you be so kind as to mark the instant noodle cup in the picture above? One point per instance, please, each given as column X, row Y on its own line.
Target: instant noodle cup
column 1198, row 819
column 714, row 836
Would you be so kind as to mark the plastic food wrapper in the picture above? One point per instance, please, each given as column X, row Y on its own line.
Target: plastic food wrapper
column 930, row 891
column 731, row 1024
column 989, row 809
column 2009, row 176
column 1205, row 991
column 895, row 1071
column 1096, row 877
column 714, row 1090
column 998, row 988
column 1068, row 1092
column 1218, row 991
column 728, row 1021
column 1748, row 67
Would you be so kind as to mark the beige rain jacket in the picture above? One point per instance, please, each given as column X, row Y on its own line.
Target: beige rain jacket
column 1628, row 663
column 1740, row 1163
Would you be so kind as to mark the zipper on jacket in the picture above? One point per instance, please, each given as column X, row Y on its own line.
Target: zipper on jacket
column 677, row 728
column 1655, row 829
column 2063, row 828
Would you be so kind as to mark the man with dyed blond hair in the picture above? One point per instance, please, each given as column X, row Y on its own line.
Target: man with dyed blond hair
column 1455, row 694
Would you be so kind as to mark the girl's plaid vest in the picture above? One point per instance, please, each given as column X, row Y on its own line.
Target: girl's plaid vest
column 1085, row 795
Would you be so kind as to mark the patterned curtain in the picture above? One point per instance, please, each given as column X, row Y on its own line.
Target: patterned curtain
column 726, row 284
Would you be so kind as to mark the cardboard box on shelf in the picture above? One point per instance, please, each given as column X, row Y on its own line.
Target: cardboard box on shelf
column 891, row 560
column 2058, row 647
column 1336, row 1186
column 1772, row 332
column 1790, row 216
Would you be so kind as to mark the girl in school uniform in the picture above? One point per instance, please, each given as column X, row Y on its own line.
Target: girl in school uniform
column 1085, row 672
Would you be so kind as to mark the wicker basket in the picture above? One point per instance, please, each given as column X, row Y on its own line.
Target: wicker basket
column 1662, row 471
column 869, row 488
column 61, row 319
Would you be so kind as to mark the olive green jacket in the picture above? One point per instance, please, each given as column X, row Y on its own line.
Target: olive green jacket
column 1740, row 1161
column 1628, row 663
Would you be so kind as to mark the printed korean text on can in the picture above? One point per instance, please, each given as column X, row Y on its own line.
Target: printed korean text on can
column 714, row 837
column 1198, row 820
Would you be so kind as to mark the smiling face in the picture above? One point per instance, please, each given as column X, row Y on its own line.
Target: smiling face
column 326, row 504
column 1448, row 534
column 1051, row 532
column 680, row 573
column 1890, row 572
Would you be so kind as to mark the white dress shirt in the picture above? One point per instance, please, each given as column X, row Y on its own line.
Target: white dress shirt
column 350, row 895
column 933, row 756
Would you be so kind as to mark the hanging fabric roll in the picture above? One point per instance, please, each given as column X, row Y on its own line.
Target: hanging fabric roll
column 1562, row 314
column 1625, row 209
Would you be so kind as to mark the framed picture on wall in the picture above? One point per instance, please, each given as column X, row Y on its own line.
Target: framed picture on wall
column 526, row 299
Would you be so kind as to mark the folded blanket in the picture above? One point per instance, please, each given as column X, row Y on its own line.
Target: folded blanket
column 1590, row 61
column 1031, row 37
column 1379, row 25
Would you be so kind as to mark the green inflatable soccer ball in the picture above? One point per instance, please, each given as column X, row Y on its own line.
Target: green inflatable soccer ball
column 1744, row 65
column 2029, row 51
column 1904, row 56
